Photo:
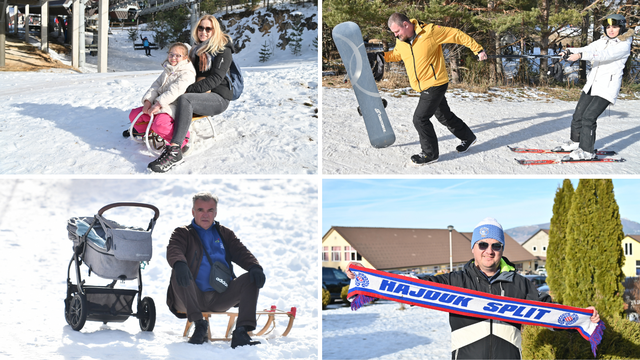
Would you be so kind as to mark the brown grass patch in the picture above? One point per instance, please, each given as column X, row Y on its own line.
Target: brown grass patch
column 20, row 56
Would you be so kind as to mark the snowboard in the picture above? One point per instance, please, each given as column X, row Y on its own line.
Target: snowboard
column 348, row 40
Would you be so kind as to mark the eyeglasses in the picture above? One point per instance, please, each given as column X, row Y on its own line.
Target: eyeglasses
column 484, row 246
column 207, row 29
column 172, row 55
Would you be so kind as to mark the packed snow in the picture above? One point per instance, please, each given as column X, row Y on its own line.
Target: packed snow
column 385, row 331
column 71, row 123
column 276, row 219
column 520, row 117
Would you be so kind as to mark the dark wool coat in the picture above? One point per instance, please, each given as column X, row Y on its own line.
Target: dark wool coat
column 185, row 245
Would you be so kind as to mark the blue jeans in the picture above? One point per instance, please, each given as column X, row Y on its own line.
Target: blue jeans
column 206, row 104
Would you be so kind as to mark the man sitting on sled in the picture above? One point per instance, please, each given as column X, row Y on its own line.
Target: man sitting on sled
column 202, row 280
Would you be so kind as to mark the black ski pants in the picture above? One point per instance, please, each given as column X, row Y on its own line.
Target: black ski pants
column 205, row 104
column 432, row 101
column 241, row 291
column 583, row 125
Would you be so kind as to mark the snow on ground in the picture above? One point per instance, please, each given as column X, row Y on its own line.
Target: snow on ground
column 276, row 219
column 77, row 120
column 382, row 331
column 522, row 117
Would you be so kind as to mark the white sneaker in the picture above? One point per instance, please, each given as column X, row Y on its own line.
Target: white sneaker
column 569, row 146
column 579, row 154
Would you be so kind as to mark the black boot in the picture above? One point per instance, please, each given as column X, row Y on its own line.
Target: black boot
column 170, row 156
column 200, row 334
column 241, row 338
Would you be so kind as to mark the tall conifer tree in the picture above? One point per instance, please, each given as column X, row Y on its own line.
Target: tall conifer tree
column 581, row 237
column 608, row 258
column 556, row 261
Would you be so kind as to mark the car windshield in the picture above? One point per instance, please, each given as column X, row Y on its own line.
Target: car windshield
column 340, row 275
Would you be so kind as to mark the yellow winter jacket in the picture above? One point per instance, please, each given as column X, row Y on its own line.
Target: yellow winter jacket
column 424, row 59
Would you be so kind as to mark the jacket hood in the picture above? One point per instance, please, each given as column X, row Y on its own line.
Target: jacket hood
column 626, row 35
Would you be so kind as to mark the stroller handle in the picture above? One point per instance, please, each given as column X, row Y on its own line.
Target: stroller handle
column 148, row 206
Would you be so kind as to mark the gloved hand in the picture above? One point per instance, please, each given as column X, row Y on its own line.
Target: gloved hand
column 183, row 274
column 257, row 276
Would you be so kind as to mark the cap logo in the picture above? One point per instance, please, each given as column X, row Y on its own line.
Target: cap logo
column 484, row 231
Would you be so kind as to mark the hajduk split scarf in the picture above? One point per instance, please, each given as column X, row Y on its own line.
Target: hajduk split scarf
column 369, row 284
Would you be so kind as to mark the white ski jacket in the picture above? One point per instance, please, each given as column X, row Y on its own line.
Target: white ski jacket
column 172, row 83
column 607, row 57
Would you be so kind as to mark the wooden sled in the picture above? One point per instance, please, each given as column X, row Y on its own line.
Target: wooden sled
column 266, row 329
column 154, row 142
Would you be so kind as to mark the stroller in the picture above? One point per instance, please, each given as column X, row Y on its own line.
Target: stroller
column 111, row 251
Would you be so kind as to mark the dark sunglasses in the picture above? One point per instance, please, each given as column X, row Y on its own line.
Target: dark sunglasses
column 484, row 246
column 207, row 29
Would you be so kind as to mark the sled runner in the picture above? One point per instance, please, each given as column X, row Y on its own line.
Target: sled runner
column 266, row 329
column 111, row 251
column 154, row 142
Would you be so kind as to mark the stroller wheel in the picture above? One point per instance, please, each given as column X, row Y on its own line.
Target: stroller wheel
column 147, row 314
column 77, row 312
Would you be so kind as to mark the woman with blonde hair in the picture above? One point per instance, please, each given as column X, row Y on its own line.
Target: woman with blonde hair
column 209, row 95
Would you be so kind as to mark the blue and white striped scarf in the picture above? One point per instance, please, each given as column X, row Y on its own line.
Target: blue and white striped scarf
column 369, row 284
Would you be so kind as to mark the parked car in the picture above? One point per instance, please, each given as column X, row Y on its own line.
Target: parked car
column 424, row 276
column 537, row 280
column 543, row 289
column 542, row 271
column 334, row 280
column 631, row 298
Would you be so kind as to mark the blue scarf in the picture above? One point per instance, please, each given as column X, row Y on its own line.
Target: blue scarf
column 369, row 284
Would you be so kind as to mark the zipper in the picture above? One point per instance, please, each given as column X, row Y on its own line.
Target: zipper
column 415, row 70
column 490, row 330
column 434, row 71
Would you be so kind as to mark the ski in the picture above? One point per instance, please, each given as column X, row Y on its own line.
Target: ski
column 561, row 161
column 549, row 151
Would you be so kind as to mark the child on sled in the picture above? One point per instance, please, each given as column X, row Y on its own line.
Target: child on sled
column 178, row 74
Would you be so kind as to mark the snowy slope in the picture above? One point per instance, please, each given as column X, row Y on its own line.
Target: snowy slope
column 69, row 123
column 522, row 117
column 276, row 219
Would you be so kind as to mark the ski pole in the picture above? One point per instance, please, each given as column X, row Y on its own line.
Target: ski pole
column 524, row 56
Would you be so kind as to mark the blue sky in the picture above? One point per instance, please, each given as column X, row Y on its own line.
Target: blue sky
column 437, row 203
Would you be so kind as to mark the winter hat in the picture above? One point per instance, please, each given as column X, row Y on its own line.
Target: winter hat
column 488, row 228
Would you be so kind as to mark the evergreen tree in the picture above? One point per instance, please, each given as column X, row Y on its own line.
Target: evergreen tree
column 169, row 26
column 608, row 258
column 556, row 260
column 265, row 53
column 581, row 237
column 296, row 35
column 133, row 34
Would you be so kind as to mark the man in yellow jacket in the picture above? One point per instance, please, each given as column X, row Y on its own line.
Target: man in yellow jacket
column 419, row 46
